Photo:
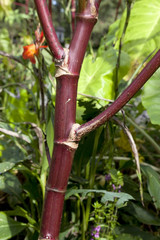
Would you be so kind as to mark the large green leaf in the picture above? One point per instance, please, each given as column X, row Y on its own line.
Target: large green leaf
column 17, row 108
column 151, row 97
column 143, row 31
column 96, row 77
column 143, row 215
column 9, row 227
column 153, row 181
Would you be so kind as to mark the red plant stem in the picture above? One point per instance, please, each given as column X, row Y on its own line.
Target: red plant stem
column 128, row 93
column 27, row 6
column 19, row 4
column 48, row 28
column 85, row 24
column 50, row 7
column 65, row 111
column 23, row 5
column 117, row 9
column 73, row 14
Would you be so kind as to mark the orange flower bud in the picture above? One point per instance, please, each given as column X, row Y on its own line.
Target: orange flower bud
column 32, row 50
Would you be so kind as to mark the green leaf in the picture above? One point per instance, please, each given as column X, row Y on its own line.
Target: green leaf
column 96, row 77
column 17, row 108
column 135, row 231
column 9, row 227
column 107, row 196
column 10, row 184
column 12, row 154
column 142, row 34
column 6, row 166
column 109, row 39
column 5, row 43
column 153, row 181
column 50, row 127
column 18, row 211
column 125, row 236
column 151, row 97
column 144, row 216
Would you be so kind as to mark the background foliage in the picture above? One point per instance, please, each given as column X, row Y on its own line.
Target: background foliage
column 103, row 199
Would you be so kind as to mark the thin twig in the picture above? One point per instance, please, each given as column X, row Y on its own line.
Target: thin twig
column 16, row 59
column 120, row 45
column 19, row 4
column 134, row 150
column 117, row 9
column 96, row 98
column 39, row 74
column 144, row 133
column 47, row 149
column 27, row 6
column 4, row 54
column 100, row 98
column 15, row 134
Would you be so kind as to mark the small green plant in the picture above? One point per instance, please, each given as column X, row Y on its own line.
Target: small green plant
column 104, row 216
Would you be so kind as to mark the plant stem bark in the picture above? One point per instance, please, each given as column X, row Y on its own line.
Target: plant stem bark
column 63, row 154
column 67, row 133
column 68, row 63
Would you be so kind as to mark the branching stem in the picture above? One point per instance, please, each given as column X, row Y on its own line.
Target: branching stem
column 128, row 93
column 48, row 28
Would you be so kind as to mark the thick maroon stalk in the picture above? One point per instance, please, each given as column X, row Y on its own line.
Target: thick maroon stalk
column 86, row 21
column 129, row 92
column 65, row 111
column 63, row 154
column 49, row 31
column 73, row 14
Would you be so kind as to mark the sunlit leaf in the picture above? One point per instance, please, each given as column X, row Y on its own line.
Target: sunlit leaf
column 19, row 211
column 9, row 227
column 142, row 35
column 153, row 181
column 151, row 97
column 96, row 77
column 6, row 166
column 5, row 43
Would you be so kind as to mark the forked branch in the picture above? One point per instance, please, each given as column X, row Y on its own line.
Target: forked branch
column 48, row 28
